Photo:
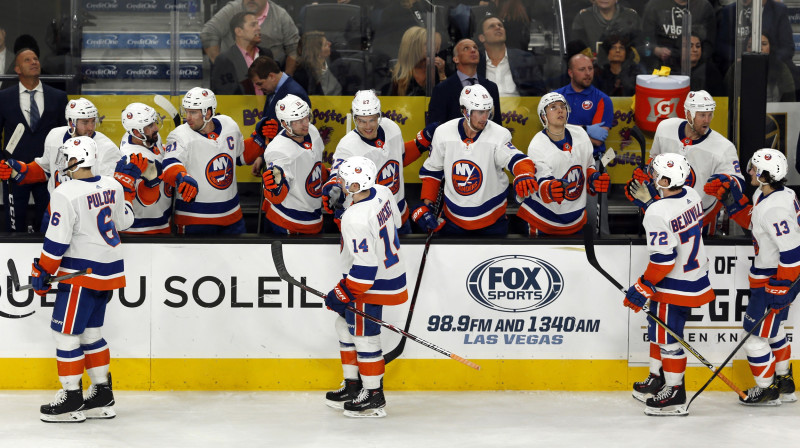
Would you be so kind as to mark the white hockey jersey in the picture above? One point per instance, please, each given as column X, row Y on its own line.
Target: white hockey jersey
column 300, row 211
column 375, row 270
column 475, row 184
column 776, row 237
column 386, row 152
column 711, row 154
column 573, row 163
column 211, row 160
column 152, row 216
column 673, row 228
column 108, row 154
column 86, row 216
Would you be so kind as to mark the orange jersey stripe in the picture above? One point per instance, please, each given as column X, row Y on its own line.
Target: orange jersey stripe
column 49, row 264
column 98, row 284
column 292, row 226
column 538, row 224
column 683, row 300
column 184, row 220
column 384, row 299
column 476, row 224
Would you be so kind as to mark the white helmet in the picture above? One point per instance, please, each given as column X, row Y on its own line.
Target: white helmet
column 673, row 166
column 291, row 108
column 365, row 104
column 77, row 109
column 547, row 100
column 200, row 98
column 698, row 101
column 138, row 116
column 475, row 97
column 84, row 149
column 769, row 163
column 358, row 170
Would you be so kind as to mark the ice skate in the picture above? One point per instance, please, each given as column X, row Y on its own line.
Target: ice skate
column 786, row 387
column 642, row 390
column 347, row 392
column 65, row 408
column 671, row 400
column 762, row 396
column 99, row 401
column 368, row 403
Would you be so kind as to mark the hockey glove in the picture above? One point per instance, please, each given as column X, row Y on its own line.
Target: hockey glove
column 779, row 289
column 598, row 183
column 552, row 190
column 40, row 279
column 643, row 195
column 425, row 137
column 152, row 174
column 186, row 186
column 525, row 185
column 332, row 197
column 265, row 131
column 727, row 190
column 126, row 174
column 638, row 294
column 273, row 179
column 13, row 169
column 426, row 219
column 641, row 175
column 597, row 131
column 338, row 298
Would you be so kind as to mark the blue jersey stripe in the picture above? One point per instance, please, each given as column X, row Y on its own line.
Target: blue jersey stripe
column 299, row 215
column 423, row 172
column 488, row 205
column 391, row 284
column 367, row 273
column 791, row 256
column 53, row 248
column 549, row 215
column 684, row 285
column 664, row 258
column 208, row 207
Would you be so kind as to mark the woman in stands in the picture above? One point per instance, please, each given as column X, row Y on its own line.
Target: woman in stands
column 410, row 73
column 313, row 52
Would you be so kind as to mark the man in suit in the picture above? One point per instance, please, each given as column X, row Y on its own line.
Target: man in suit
column 444, row 99
column 515, row 72
column 40, row 108
column 6, row 56
column 229, row 73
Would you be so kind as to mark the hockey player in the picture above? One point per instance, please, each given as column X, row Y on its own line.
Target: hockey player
column 199, row 163
column 87, row 214
column 81, row 117
column 675, row 281
column 469, row 155
column 382, row 142
column 773, row 219
column 295, row 174
column 152, row 202
column 708, row 152
column 564, row 163
column 375, row 276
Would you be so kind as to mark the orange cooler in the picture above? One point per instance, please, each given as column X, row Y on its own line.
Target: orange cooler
column 659, row 97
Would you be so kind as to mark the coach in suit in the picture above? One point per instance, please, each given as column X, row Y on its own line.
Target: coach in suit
column 267, row 76
column 444, row 105
column 39, row 108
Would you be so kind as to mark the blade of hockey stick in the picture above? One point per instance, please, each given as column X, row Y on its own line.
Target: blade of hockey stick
column 12, row 271
column 15, row 138
column 588, row 241
column 280, row 266
column 637, row 135
column 164, row 103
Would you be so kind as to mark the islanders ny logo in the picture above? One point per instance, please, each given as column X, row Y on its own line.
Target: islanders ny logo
column 314, row 181
column 467, row 177
column 576, row 181
column 515, row 283
column 219, row 171
column 389, row 176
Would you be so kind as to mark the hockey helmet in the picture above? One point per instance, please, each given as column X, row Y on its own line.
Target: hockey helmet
column 475, row 97
column 291, row 108
column 138, row 116
column 548, row 99
column 365, row 104
column 673, row 166
column 698, row 101
column 358, row 170
column 769, row 163
column 200, row 98
column 78, row 109
column 83, row 149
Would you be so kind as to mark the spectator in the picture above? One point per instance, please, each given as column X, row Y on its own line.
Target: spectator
column 229, row 73
column 516, row 17
column 705, row 75
column 393, row 22
column 6, row 56
column 590, row 107
column 40, row 108
column 618, row 75
column 662, row 26
column 515, row 72
column 444, row 104
column 278, row 31
column 312, row 71
column 410, row 73
column 780, row 85
column 592, row 25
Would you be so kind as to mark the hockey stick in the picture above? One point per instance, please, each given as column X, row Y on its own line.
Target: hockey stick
column 10, row 147
column 164, row 103
column 588, row 241
column 637, row 135
column 280, row 266
column 12, row 271
column 397, row 351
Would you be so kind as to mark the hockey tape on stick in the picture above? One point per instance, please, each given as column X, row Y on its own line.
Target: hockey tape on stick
column 349, row 121
column 15, row 138
column 164, row 103
column 280, row 266
column 608, row 157
column 12, row 271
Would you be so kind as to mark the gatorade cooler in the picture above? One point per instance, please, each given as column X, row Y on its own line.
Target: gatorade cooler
column 659, row 97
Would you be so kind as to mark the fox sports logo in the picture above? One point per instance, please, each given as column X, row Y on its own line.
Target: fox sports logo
column 515, row 283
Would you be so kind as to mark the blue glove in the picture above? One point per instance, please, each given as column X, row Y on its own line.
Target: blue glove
column 727, row 190
column 40, row 279
column 427, row 220
column 338, row 298
column 186, row 186
column 597, row 131
column 638, row 294
column 265, row 131
column 126, row 174
column 425, row 136
column 780, row 292
column 11, row 166
column 332, row 196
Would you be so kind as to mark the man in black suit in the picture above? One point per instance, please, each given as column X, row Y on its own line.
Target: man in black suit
column 515, row 72
column 229, row 73
column 444, row 99
column 39, row 108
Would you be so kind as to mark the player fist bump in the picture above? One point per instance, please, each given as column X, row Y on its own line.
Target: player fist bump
column 525, row 185
column 265, row 131
column 425, row 136
column 338, row 297
column 552, row 190
column 186, row 186
column 40, row 279
column 13, row 169
column 638, row 294
column 426, row 219
column 727, row 190
column 598, row 183
column 332, row 197
column 126, row 174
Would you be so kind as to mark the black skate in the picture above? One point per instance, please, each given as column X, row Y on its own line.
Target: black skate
column 763, row 396
column 347, row 392
column 65, row 408
column 99, row 401
column 642, row 390
column 671, row 400
column 368, row 403
column 786, row 387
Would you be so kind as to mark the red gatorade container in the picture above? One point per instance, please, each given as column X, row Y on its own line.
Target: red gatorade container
column 659, row 97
